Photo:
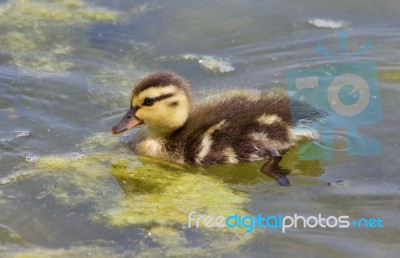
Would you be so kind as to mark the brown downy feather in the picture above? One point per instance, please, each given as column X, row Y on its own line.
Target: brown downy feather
column 238, row 133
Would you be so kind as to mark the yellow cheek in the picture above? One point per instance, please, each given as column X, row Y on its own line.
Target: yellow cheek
column 139, row 114
column 147, row 113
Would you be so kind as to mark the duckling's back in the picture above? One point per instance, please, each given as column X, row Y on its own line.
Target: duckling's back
column 240, row 127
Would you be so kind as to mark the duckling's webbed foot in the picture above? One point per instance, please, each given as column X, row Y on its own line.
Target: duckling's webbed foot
column 271, row 168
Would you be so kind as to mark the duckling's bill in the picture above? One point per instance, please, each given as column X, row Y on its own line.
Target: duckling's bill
column 127, row 122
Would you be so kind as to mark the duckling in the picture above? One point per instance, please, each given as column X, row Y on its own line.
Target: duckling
column 238, row 126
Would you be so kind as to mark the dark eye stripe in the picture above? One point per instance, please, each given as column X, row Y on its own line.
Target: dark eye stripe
column 159, row 98
column 163, row 96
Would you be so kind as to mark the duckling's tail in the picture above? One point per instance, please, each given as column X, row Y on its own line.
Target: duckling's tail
column 303, row 113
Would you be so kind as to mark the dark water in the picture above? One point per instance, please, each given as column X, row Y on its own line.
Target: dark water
column 70, row 189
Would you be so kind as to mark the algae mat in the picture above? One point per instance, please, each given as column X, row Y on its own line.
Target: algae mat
column 120, row 191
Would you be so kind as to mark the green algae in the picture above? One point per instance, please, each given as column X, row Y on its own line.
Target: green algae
column 2, row 196
column 207, row 62
column 9, row 237
column 211, row 63
column 389, row 75
column 121, row 190
column 31, row 12
column 31, row 38
column 99, row 142
column 123, row 77
column 167, row 199
column 78, row 178
column 152, row 193
column 31, row 31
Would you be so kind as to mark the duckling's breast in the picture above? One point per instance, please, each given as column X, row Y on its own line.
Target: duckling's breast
column 152, row 146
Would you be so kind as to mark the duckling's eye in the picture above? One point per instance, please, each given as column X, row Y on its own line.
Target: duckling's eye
column 148, row 101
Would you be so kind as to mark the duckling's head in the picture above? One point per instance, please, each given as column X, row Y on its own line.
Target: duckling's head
column 161, row 101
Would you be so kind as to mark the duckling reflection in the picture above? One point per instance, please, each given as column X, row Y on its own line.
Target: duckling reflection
column 233, row 127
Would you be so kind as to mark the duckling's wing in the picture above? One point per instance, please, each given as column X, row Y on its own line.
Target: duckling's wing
column 240, row 128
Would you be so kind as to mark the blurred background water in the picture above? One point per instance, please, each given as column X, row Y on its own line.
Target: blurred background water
column 70, row 189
